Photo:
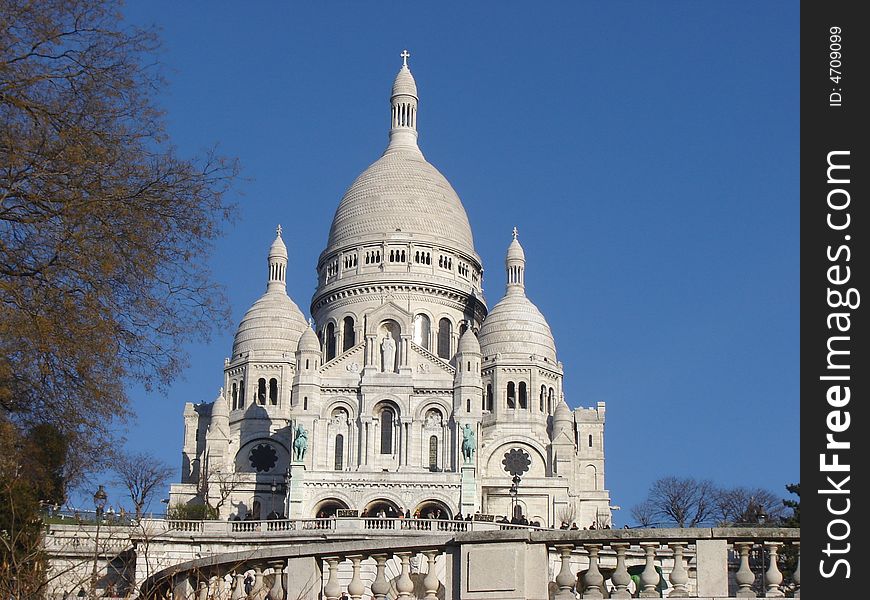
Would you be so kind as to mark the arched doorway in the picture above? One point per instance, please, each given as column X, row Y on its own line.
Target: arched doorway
column 433, row 509
column 381, row 507
column 328, row 507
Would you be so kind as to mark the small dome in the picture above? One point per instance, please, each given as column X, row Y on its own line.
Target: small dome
column 468, row 343
column 272, row 325
column 562, row 412
column 404, row 83
column 220, row 408
column 278, row 249
column 309, row 342
column 515, row 251
column 516, row 326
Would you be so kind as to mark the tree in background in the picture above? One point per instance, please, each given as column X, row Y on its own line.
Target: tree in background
column 31, row 477
column 742, row 506
column 794, row 520
column 142, row 475
column 104, row 228
column 684, row 501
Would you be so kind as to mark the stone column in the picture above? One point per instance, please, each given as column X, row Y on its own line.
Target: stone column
column 593, row 581
column 277, row 590
column 679, row 576
column 772, row 577
column 744, row 576
column 239, row 587
column 565, row 578
column 620, row 578
column 332, row 590
column 356, row 587
column 380, row 586
column 649, row 578
column 430, row 582
column 404, row 584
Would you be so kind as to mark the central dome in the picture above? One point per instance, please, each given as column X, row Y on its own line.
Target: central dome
column 401, row 192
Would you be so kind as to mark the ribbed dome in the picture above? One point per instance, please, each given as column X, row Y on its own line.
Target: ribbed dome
column 272, row 325
column 562, row 412
column 401, row 192
column 404, row 83
column 516, row 326
column 309, row 342
column 468, row 343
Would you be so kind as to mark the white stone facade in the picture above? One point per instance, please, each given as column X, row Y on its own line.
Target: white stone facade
column 406, row 358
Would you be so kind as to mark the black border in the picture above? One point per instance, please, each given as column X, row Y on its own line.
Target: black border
column 826, row 128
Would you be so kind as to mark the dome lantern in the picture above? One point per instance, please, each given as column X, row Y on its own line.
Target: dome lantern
column 403, row 107
column 515, row 264
column 277, row 263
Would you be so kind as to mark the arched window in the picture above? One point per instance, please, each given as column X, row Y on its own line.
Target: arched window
column 511, row 395
column 590, row 441
column 468, row 405
column 524, row 400
column 488, row 397
column 305, row 403
column 339, row 452
column 433, row 453
column 261, row 391
column 273, row 391
column 235, row 396
column 241, row 393
column 348, row 334
column 330, row 342
column 444, row 331
column 386, row 431
column 550, row 406
column 421, row 331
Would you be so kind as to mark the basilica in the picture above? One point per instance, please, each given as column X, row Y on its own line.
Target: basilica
column 404, row 393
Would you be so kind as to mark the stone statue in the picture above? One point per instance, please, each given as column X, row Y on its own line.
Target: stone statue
column 388, row 352
column 469, row 443
column 300, row 444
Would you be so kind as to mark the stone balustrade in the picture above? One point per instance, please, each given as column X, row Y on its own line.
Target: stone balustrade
column 504, row 563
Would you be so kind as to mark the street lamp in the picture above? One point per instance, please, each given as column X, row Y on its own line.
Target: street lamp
column 515, row 486
column 100, row 498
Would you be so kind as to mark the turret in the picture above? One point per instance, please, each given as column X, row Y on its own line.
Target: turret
column 306, row 382
column 467, row 384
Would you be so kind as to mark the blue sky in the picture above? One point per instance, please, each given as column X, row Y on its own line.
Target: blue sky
column 647, row 152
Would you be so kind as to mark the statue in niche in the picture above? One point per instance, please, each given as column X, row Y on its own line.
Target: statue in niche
column 469, row 443
column 388, row 353
column 300, row 444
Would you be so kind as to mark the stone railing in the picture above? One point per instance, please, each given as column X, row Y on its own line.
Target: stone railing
column 504, row 564
column 302, row 527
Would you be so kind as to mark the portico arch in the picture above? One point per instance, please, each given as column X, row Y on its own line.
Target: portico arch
column 374, row 508
column 428, row 509
column 328, row 507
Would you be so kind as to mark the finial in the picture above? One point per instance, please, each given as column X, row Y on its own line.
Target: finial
column 221, row 391
column 278, row 230
column 516, row 233
column 405, row 56
column 311, row 322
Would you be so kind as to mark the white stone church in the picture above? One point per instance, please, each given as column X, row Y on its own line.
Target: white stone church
column 404, row 393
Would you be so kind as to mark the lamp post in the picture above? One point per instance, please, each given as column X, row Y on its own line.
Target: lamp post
column 100, row 498
column 514, row 491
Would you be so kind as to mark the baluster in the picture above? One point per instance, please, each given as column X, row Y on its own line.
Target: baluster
column 744, row 576
column 356, row 587
column 258, row 591
column 430, row 582
column 620, row 578
column 202, row 591
column 773, row 576
column 796, row 577
column 380, row 586
column 277, row 591
column 679, row 576
column 649, row 578
column 239, row 587
column 404, row 584
column 332, row 590
column 565, row 578
column 593, row 581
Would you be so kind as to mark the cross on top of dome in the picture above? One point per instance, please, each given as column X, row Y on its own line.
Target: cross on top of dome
column 516, row 233
column 405, row 56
